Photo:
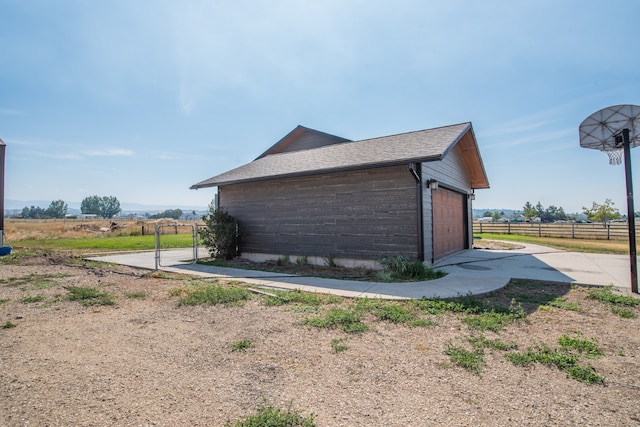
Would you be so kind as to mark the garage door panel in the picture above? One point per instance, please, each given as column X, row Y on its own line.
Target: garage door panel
column 448, row 222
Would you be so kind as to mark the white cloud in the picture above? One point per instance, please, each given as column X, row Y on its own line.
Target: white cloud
column 110, row 152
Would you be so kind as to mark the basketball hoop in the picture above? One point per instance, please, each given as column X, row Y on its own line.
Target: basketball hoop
column 615, row 156
column 616, row 130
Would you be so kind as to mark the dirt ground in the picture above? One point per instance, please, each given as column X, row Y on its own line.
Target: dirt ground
column 147, row 361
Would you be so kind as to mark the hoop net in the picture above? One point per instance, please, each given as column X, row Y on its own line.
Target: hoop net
column 615, row 156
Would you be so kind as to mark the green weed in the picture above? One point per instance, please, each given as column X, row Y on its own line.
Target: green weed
column 479, row 341
column 136, row 295
column 400, row 268
column 338, row 345
column 607, row 295
column 241, row 346
column 564, row 358
column 88, row 296
column 3, row 300
column 583, row 346
column 32, row 299
column 349, row 321
column 270, row 416
column 212, row 294
column 330, row 261
column 622, row 305
column 8, row 325
column 623, row 312
column 302, row 260
column 471, row 360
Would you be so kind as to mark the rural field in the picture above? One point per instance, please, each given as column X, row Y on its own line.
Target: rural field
column 96, row 344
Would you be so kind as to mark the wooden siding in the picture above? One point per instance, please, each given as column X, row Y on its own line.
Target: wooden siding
column 365, row 214
column 450, row 173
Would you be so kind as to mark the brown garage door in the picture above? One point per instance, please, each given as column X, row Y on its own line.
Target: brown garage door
column 448, row 222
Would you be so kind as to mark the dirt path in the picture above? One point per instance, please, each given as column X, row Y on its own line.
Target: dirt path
column 147, row 361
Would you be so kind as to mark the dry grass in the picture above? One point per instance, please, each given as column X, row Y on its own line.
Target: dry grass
column 29, row 229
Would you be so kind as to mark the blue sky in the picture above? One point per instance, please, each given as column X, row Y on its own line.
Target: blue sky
column 140, row 99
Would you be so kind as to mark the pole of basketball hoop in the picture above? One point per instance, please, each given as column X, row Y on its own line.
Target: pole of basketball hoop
column 631, row 221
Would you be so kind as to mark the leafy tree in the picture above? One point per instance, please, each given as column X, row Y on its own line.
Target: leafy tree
column 90, row 205
column 221, row 233
column 57, row 209
column 529, row 211
column 109, row 207
column 34, row 212
column 605, row 212
column 106, row 207
column 487, row 214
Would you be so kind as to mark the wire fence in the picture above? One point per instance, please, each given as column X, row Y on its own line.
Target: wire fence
column 171, row 250
column 595, row 231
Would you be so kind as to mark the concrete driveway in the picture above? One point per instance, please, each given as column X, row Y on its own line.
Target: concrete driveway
column 474, row 271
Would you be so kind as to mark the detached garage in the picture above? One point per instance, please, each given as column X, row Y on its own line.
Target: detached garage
column 317, row 195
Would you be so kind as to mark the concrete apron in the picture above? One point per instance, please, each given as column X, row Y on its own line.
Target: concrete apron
column 474, row 271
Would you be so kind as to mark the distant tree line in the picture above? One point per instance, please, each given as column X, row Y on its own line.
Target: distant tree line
column 596, row 213
column 57, row 209
column 169, row 213
column 104, row 207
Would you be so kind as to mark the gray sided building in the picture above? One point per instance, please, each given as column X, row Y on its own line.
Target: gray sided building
column 317, row 195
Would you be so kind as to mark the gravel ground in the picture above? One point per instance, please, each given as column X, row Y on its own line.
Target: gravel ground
column 148, row 361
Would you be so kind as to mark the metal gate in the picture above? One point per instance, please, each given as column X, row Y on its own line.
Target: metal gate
column 171, row 251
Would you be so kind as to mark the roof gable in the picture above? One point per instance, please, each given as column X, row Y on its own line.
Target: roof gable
column 302, row 138
column 419, row 146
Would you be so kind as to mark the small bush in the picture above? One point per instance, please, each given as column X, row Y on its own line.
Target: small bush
column 220, row 235
column 302, row 260
column 400, row 268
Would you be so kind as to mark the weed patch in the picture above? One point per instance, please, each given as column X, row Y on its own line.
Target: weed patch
column 32, row 299
column 564, row 358
column 300, row 297
column 622, row 305
column 136, row 295
column 210, row 294
column 349, row 321
column 8, row 325
column 471, row 360
column 241, row 346
column 399, row 268
column 338, row 345
column 270, row 416
column 88, row 296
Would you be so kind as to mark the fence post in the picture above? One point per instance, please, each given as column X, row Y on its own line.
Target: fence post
column 608, row 231
column 157, row 245
column 540, row 229
column 195, row 243
column 480, row 226
column 508, row 228
column 573, row 230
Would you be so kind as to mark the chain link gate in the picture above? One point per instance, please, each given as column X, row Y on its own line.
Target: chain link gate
column 171, row 251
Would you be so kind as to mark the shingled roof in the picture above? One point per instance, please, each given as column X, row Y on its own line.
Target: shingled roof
column 420, row 146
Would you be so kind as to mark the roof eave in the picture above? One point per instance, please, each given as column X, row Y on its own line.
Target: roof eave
column 209, row 183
